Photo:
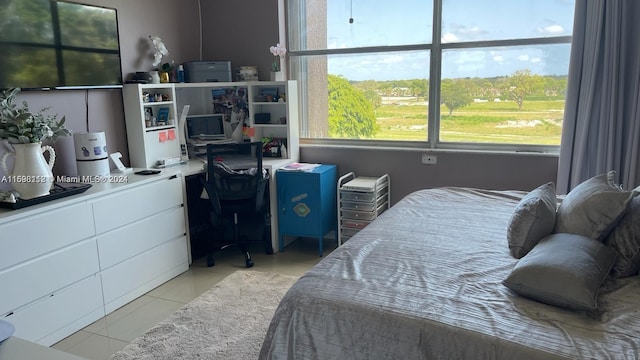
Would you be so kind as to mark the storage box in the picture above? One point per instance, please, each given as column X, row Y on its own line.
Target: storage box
column 207, row 71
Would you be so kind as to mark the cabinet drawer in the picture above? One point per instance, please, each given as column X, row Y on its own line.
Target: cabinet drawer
column 137, row 275
column 348, row 232
column 133, row 204
column 361, row 196
column 360, row 206
column 355, row 224
column 39, row 234
column 75, row 307
column 41, row 277
column 133, row 239
column 362, row 215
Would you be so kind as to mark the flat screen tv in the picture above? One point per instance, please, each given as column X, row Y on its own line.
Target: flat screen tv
column 53, row 44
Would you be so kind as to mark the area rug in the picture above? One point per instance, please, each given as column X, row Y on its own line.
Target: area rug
column 229, row 321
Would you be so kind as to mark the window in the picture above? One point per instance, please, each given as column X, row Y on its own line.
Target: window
column 370, row 69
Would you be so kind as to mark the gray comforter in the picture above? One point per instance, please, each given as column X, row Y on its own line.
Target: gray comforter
column 423, row 281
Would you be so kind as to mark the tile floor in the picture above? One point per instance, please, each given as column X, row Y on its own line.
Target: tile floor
column 106, row 336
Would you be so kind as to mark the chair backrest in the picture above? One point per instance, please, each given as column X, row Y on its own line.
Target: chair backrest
column 234, row 172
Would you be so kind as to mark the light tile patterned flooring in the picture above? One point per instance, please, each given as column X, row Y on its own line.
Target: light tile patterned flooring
column 100, row 340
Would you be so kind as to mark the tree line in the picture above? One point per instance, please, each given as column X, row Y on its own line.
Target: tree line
column 352, row 104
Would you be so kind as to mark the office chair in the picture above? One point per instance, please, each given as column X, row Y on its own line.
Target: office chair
column 237, row 187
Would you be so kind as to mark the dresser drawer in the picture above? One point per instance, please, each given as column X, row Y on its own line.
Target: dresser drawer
column 41, row 233
column 127, row 206
column 133, row 239
column 64, row 312
column 135, row 276
column 43, row 276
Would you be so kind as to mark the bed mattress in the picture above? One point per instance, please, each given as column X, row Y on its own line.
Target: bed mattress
column 424, row 281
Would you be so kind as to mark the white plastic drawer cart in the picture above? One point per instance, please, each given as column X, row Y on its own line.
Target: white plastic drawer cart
column 360, row 201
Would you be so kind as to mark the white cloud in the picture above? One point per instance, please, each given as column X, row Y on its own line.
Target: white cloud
column 498, row 58
column 536, row 60
column 524, row 57
column 449, row 37
column 551, row 30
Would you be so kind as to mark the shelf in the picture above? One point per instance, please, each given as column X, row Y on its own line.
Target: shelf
column 157, row 128
column 270, row 103
column 271, row 125
column 152, row 103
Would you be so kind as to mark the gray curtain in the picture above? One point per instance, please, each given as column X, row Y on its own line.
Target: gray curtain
column 601, row 129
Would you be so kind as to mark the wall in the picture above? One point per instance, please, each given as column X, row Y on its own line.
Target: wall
column 102, row 110
column 500, row 171
column 241, row 31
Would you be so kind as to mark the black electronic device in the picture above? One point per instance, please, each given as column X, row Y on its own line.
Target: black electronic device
column 205, row 127
column 57, row 44
column 147, row 172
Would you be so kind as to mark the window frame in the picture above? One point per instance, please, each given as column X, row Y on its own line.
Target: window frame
column 435, row 49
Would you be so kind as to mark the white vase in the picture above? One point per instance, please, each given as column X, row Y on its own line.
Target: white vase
column 32, row 175
column 277, row 76
column 155, row 77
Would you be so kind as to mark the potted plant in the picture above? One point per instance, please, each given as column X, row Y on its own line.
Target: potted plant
column 25, row 131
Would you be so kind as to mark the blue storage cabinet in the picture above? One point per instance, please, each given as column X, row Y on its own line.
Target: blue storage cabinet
column 307, row 203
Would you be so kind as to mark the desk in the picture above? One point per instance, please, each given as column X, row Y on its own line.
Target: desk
column 197, row 167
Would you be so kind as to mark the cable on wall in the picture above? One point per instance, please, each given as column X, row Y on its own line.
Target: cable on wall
column 86, row 107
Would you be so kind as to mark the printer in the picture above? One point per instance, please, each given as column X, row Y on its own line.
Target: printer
column 207, row 71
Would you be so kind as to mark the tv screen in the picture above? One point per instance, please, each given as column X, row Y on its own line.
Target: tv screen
column 50, row 44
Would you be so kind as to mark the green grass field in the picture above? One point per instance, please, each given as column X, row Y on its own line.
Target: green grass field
column 539, row 122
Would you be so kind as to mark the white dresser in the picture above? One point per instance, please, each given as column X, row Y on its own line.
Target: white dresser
column 69, row 262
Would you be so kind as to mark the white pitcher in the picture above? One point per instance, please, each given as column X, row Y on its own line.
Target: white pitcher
column 32, row 175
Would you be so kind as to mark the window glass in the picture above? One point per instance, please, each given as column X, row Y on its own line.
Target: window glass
column 504, row 95
column 501, row 70
column 340, row 24
column 377, row 96
column 481, row 20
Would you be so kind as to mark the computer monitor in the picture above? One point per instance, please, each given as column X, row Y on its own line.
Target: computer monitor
column 205, row 127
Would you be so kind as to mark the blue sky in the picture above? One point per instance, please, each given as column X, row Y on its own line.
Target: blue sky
column 403, row 22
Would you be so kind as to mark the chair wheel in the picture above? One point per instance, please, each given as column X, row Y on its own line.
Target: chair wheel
column 210, row 261
column 249, row 263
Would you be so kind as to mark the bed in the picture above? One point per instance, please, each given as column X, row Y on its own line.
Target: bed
column 425, row 281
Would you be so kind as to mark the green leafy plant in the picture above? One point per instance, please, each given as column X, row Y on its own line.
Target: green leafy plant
column 19, row 125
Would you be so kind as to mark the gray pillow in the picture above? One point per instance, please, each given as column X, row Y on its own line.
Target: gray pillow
column 593, row 207
column 533, row 219
column 625, row 240
column 563, row 270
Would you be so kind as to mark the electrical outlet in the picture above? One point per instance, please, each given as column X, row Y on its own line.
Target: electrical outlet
column 428, row 159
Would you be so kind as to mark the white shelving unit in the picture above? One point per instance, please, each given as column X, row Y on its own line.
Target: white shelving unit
column 199, row 97
column 149, row 143
column 360, row 201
